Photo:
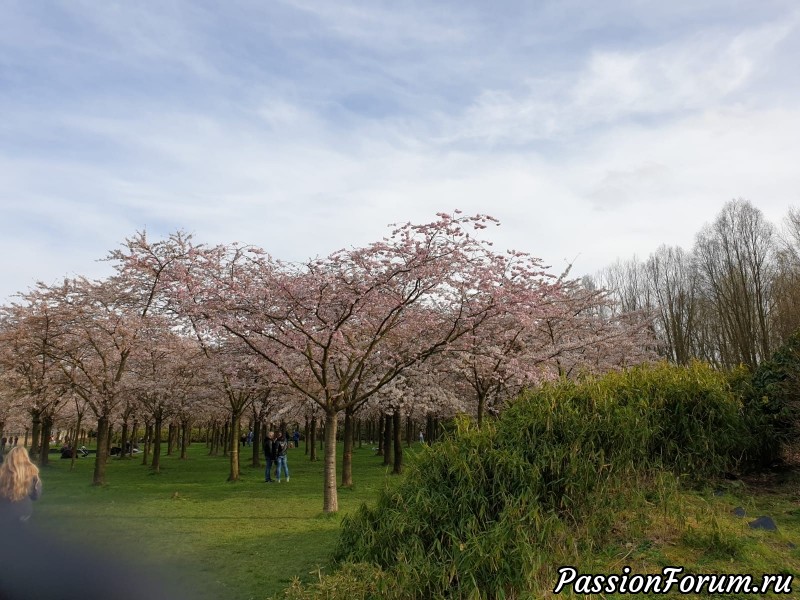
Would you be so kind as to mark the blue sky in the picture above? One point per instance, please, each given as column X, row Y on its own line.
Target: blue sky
column 593, row 130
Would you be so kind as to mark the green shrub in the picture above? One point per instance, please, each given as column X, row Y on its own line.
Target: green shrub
column 490, row 513
column 773, row 402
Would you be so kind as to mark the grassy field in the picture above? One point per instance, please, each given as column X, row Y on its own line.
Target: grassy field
column 249, row 539
column 222, row 540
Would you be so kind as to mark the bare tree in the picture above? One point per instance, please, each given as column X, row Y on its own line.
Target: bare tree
column 735, row 261
column 673, row 284
column 786, row 287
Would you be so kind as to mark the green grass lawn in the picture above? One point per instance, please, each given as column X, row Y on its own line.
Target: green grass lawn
column 223, row 540
column 249, row 539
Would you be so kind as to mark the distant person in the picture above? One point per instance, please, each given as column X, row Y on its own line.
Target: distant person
column 19, row 486
column 66, row 451
column 269, row 455
column 421, row 438
column 296, row 438
column 279, row 450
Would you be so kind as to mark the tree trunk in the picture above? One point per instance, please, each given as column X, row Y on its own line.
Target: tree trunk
column 148, row 436
column 108, row 438
column 134, row 429
column 398, row 442
column 331, row 499
column 212, row 446
column 170, row 439
column 226, row 438
column 47, row 428
column 358, row 433
column 234, row 446
column 75, row 444
column 186, row 438
column 387, row 440
column 36, row 428
column 305, row 436
column 481, row 408
column 312, row 443
column 101, row 456
column 409, row 432
column 124, row 441
column 347, row 453
column 156, row 465
column 380, row 435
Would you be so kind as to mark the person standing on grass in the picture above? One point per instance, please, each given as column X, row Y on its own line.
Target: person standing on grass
column 279, row 450
column 269, row 455
column 19, row 486
column 296, row 438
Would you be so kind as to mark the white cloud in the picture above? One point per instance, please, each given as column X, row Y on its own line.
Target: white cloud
column 624, row 147
column 692, row 73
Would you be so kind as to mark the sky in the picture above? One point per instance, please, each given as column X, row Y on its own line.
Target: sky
column 592, row 130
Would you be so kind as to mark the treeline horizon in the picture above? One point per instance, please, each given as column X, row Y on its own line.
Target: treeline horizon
column 731, row 299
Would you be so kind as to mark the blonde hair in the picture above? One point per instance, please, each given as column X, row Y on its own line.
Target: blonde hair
column 17, row 474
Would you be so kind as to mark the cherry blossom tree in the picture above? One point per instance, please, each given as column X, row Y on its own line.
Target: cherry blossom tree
column 165, row 370
column 27, row 334
column 586, row 333
column 99, row 324
column 339, row 329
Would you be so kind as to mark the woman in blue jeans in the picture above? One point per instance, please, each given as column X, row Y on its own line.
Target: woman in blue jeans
column 280, row 447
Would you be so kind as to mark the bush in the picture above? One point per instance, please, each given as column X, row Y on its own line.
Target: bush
column 773, row 401
column 491, row 513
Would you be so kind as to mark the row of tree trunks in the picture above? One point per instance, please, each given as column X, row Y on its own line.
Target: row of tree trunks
column 156, row 464
column 379, row 434
column 256, row 443
column 398, row 442
column 387, row 440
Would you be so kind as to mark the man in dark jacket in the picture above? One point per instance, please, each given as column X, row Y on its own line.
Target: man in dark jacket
column 269, row 454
